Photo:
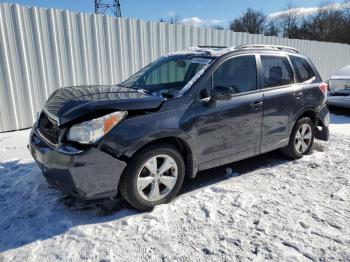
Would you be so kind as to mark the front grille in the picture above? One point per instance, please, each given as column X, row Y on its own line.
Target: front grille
column 48, row 129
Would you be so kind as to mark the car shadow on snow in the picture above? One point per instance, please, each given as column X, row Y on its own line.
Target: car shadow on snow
column 206, row 178
column 32, row 211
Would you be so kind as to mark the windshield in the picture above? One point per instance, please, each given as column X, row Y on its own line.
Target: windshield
column 167, row 76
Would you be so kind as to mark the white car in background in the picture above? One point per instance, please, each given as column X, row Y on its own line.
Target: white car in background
column 339, row 88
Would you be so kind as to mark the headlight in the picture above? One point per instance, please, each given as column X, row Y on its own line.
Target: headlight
column 89, row 132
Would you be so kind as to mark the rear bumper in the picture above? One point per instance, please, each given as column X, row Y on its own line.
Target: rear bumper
column 89, row 174
column 322, row 125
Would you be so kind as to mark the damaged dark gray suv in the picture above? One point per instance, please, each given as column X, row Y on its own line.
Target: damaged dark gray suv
column 185, row 112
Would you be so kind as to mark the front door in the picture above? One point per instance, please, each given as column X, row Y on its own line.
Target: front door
column 228, row 130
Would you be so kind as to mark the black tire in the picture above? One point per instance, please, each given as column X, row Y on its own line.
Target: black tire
column 290, row 150
column 128, row 181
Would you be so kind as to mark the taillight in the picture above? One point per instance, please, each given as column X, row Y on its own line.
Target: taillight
column 324, row 88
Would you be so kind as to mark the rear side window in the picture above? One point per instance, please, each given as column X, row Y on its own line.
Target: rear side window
column 238, row 73
column 302, row 69
column 276, row 71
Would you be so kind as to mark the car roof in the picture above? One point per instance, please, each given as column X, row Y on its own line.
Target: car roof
column 217, row 51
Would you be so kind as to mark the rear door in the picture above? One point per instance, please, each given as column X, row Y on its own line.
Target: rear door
column 283, row 99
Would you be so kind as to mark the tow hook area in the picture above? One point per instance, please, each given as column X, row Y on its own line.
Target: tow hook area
column 322, row 133
column 322, row 124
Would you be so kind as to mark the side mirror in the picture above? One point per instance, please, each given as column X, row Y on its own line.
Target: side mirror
column 222, row 93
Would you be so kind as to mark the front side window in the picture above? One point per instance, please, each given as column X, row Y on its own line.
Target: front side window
column 276, row 71
column 167, row 76
column 302, row 69
column 238, row 73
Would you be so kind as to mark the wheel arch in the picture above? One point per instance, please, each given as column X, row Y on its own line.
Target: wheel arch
column 178, row 143
column 309, row 112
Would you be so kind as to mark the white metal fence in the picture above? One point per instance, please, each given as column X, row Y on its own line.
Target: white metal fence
column 44, row 49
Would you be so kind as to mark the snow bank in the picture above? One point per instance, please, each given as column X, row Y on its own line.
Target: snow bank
column 262, row 208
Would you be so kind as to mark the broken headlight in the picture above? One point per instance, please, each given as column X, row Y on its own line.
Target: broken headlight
column 91, row 131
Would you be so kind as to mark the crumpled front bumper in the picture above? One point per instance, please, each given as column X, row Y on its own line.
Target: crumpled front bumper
column 88, row 174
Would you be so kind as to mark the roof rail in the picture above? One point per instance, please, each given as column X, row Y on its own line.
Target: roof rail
column 275, row 47
column 212, row 46
column 207, row 49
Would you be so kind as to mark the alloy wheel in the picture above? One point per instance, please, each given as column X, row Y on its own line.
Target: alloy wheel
column 157, row 177
column 303, row 138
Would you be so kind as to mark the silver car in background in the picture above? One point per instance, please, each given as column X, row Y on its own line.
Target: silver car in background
column 339, row 88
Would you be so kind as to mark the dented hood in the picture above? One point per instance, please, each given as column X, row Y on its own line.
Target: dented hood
column 70, row 103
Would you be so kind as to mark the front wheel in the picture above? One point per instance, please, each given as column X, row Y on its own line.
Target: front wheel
column 153, row 176
column 301, row 139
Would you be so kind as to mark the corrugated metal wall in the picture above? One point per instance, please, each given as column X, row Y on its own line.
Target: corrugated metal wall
column 44, row 49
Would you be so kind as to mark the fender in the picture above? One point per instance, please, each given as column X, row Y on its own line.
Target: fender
column 135, row 133
column 179, row 141
column 308, row 108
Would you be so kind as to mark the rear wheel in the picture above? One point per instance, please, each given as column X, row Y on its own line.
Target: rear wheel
column 153, row 176
column 301, row 139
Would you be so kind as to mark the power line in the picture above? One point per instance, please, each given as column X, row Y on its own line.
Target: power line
column 108, row 7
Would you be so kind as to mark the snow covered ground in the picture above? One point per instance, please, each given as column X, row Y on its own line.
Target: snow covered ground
column 268, row 208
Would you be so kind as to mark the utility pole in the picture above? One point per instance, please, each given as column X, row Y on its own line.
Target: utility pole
column 108, row 7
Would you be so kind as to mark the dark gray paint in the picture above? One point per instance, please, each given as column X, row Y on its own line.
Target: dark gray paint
column 214, row 132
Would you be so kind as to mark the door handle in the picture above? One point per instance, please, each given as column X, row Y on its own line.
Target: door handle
column 256, row 104
column 298, row 94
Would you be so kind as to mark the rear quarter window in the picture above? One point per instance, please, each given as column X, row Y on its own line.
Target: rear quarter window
column 302, row 68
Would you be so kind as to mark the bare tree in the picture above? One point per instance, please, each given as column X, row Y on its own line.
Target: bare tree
column 171, row 20
column 271, row 29
column 252, row 21
column 328, row 24
column 218, row 27
column 347, row 10
column 289, row 23
column 324, row 20
column 174, row 19
column 347, row 22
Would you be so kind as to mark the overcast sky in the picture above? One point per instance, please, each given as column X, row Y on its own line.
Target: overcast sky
column 197, row 12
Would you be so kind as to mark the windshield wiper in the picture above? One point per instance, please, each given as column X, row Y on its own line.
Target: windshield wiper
column 167, row 95
column 143, row 90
